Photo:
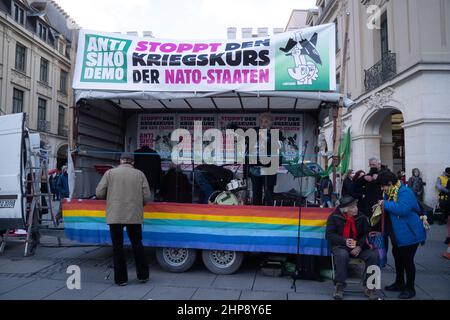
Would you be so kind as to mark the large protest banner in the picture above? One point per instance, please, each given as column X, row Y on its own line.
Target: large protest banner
column 155, row 130
column 291, row 136
column 302, row 60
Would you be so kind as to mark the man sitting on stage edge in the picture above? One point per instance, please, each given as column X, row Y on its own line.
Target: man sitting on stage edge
column 347, row 230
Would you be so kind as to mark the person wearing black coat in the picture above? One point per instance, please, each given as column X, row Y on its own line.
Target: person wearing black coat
column 358, row 188
column 175, row 186
column 415, row 183
column 347, row 184
column 371, row 187
column 347, row 231
column 326, row 190
column 148, row 161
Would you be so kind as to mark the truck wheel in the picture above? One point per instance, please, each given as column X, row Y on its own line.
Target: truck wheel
column 222, row 262
column 176, row 259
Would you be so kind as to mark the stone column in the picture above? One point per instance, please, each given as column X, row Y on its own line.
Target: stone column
column 386, row 145
column 364, row 147
column 426, row 146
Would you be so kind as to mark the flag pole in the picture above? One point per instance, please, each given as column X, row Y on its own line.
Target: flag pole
column 337, row 108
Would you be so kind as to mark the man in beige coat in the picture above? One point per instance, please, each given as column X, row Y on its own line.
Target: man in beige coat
column 126, row 190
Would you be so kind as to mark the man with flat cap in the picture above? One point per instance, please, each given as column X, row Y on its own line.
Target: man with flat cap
column 126, row 190
column 347, row 231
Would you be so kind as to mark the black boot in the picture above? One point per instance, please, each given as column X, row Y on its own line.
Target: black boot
column 408, row 293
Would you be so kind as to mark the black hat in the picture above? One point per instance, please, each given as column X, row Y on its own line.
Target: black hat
column 447, row 170
column 127, row 155
column 346, row 201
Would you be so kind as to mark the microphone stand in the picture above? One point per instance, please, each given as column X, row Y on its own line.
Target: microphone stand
column 297, row 260
column 301, row 167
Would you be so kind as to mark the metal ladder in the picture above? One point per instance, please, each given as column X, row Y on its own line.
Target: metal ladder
column 36, row 180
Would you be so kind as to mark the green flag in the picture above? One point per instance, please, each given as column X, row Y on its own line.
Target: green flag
column 344, row 153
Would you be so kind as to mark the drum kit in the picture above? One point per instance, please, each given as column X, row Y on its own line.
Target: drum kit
column 236, row 192
column 234, row 195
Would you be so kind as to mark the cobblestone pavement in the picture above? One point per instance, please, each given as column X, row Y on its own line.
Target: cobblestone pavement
column 43, row 276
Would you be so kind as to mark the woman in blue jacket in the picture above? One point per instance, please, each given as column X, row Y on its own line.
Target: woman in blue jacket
column 405, row 230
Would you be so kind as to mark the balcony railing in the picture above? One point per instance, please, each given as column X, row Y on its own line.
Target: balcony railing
column 383, row 71
column 43, row 126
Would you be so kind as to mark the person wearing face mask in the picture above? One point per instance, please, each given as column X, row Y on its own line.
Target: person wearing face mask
column 405, row 229
column 347, row 231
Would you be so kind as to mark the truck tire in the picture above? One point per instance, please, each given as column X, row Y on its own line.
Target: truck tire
column 176, row 259
column 221, row 261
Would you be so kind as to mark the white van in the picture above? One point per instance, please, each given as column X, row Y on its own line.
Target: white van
column 19, row 147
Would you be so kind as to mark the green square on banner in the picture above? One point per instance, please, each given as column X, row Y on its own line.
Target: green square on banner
column 105, row 59
column 302, row 61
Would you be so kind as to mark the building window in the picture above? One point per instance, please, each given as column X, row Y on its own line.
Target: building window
column 42, row 109
column 63, row 82
column 42, row 32
column 17, row 101
column 61, row 48
column 42, row 124
column 18, row 14
column 44, row 70
column 384, row 36
column 62, row 121
column 21, row 56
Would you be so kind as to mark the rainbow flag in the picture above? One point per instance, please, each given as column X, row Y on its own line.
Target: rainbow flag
column 213, row 227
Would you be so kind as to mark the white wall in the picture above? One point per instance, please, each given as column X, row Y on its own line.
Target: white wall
column 424, row 101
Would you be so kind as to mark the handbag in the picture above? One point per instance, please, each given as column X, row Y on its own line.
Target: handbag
column 375, row 241
column 376, row 216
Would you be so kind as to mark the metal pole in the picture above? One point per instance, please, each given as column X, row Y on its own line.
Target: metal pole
column 337, row 109
column 334, row 164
